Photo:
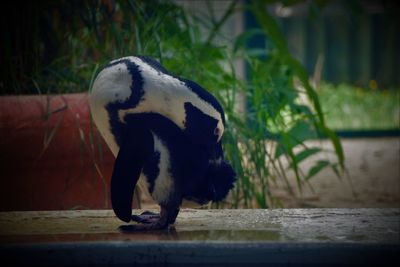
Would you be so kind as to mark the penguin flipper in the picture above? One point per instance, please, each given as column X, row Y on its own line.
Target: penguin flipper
column 133, row 152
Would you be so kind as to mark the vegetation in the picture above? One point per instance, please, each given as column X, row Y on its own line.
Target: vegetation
column 259, row 142
column 355, row 108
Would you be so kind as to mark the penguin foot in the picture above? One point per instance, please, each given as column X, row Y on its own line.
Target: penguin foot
column 148, row 221
column 147, row 217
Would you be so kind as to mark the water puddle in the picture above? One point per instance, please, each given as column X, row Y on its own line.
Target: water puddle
column 165, row 235
column 207, row 235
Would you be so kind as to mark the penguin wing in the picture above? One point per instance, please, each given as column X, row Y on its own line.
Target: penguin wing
column 133, row 153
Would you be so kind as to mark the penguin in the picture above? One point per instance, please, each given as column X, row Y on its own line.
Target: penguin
column 139, row 84
column 162, row 128
column 174, row 169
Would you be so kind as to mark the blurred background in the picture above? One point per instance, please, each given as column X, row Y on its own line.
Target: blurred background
column 310, row 90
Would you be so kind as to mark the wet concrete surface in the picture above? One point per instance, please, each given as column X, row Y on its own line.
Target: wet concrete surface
column 276, row 225
column 279, row 237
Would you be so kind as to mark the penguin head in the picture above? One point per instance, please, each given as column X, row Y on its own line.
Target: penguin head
column 216, row 181
column 221, row 178
column 215, row 185
column 203, row 128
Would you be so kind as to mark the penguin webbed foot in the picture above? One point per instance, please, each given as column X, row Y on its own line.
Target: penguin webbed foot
column 148, row 221
column 146, row 217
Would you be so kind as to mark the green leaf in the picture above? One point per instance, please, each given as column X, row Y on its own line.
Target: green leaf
column 306, row 153
column 334, row 168
column 321, row 164
column 284, row 144
column 261, row 201
column 300, row 132
column 336, row 144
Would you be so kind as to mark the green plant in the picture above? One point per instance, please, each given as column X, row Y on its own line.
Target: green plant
column 260, row 143
column 353, row 108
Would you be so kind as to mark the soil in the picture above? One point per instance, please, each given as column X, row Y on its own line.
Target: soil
column 372, row 180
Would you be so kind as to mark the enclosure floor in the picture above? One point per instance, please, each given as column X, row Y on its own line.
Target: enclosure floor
column 372, row 178
column 27, row 237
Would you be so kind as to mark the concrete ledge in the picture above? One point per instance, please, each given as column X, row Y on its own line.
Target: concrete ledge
column 200, row 254
column 205, row 237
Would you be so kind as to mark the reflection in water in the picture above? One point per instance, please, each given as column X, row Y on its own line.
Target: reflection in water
column 127, row 234
column 210, row 235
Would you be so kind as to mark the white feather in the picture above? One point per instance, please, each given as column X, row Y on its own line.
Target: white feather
column 164, row 184
column 166, row 95
column 111, row 85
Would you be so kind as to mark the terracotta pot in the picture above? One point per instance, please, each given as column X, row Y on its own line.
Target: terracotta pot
column 52, row 157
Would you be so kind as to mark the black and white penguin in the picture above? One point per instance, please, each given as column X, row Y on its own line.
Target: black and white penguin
column 163, row 128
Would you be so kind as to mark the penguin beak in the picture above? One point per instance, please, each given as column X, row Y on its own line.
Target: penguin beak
column 219, row 138
column 218, row 131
